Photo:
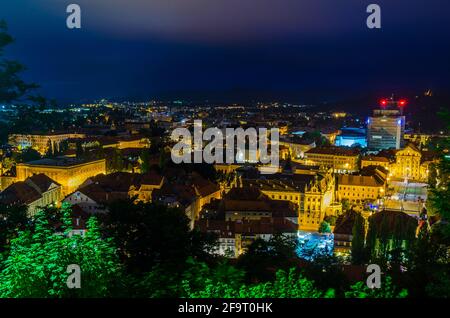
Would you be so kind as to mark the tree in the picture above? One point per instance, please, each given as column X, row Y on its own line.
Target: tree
column 345, row 205
column 50, row 153
column 79, row 149
column 432, row 176
column 427, row 268
column 37, row 264
column 28, row 154
column 439, row 196
column 324, row 227
column 12, row 88
column 358, row 240
column 263, row 257
column 116, row 162
column 287, row 284
column 148, row 234
column 387, row 290
column 330, row 219
column 12, row 219
column 145, row 160
column 389, row 231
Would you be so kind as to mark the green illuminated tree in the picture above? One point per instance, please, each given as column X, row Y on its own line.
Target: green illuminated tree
column 432, row 176
column 387, row 290
column 439, row 196
column 12, row 218
column 286, row 285
column 358, row 240
column 324, row 227
column 37, row 264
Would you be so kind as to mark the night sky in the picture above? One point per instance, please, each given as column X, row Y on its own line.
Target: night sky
column 223, row 48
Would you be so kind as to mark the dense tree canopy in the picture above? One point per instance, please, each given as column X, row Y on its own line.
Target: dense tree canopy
column 150, row 234
column 38, row 261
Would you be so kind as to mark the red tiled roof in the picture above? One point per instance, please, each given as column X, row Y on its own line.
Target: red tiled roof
column 19, row 193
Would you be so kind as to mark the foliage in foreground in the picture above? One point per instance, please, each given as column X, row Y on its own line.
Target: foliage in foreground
column 286, row 285
column 388, row 290
column 37, row 263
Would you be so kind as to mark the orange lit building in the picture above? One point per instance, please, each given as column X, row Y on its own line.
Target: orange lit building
column 68, row 172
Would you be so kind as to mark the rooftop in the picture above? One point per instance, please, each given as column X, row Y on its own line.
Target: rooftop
column 58, row 162
column 337, row 151
column 366, row 181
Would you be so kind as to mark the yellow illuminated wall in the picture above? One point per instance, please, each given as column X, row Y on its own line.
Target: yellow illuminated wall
column 70, row 177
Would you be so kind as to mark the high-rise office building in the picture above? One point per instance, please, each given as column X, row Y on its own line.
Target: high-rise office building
column 385, row 129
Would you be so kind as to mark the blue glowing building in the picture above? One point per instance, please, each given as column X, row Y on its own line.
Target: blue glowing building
column 352, row 137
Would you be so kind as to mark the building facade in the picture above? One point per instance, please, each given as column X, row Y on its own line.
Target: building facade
column 385, row 129
column 70, row 173
column 35, row 192
column 341, row 160
column 408, row 163
column 40, row 142
column 360, row 189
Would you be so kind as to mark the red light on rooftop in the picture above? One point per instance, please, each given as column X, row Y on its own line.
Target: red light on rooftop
column 402, row 102
column 383, row 102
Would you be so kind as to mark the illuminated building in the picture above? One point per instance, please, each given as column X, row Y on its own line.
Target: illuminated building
column 318, row 202
column 40, row 142
column 330, row 135
column 136, row 142
column 250, row 203
column 418, row 139
column 96, row 192
column 412, row 164
column 283, row 129
column 339, row 115
column 382, row 160
column 341, row 160
column 70, row 173
column 35, row 192
column 311, row 194
column 277, row 189
column 359, row 189
column 190, row 193
column 234, row 237
column 297, row 149
column 385, row 129
column 226, row 167
column 351, row 137
column 407, row 163
column 421, row 140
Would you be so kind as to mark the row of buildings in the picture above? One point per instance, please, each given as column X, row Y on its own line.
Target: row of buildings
column 407, row 163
